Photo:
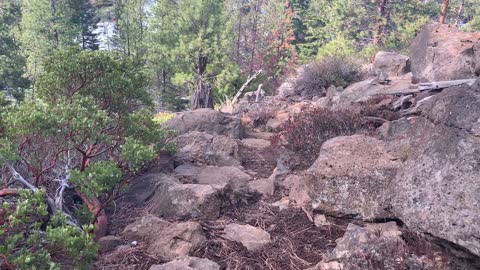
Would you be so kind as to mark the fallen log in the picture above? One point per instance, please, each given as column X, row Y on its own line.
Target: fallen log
column 422, row 87
column 245, row 85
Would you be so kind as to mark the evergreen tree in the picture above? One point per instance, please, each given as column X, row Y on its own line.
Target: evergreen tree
column 188, row 44
column 47, row 26
column 130, row 26
column 12, row 63
column 85, row 16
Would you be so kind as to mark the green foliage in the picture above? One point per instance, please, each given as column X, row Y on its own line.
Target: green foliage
column 46, row 26
column 351, row 25
column 98, row 178
column 115, row 83
column 188, row 42
column 12, row 63
column 26, row 247
column 85, row 127
column 136, row 154
column 163, row 117
column 130, row 27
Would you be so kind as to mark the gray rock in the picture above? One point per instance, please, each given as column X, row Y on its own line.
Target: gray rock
column 266, row 186
column 187, row 263
column 184, row 201
column 320, row 220
column 376, row 246
column 206, row 120
column 201, row 147
column 164, row 239
column 223, row 176
column 351, row 176
column 393, row 64
column 257, row 144
column 109, row 243
column 250, row 237
column 142, row 188
column 437, row 189
column 298, row 186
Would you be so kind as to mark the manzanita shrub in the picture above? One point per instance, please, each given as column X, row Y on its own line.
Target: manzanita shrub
column 73, row 148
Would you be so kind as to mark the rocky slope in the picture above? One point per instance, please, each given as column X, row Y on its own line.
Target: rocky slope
column 403, row 196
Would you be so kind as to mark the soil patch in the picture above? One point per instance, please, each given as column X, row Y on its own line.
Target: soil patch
column 296, row 242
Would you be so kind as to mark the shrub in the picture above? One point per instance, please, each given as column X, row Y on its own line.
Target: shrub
column 85, row 134
column 305, row 133
column 23, row 244
column 317, row 76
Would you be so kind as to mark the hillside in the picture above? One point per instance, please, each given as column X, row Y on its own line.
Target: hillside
column 396, row 193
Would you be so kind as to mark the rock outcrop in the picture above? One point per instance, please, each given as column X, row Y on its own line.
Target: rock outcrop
column 442, row 52
column 201, row 147
column 185, row 201
column 437, row 190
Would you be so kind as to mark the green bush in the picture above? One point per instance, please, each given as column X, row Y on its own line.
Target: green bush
column 24, row 245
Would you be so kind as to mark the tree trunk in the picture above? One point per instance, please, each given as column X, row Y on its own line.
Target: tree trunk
column 202, row 98
column 53, row 10
column 460, row 12
column 381, row 13
column 444, row 11
column 95, row 207
column 254, row 34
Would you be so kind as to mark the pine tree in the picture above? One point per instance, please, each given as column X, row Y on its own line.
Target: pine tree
column 46, row 26
column 188, row 45
column 12, row 63
column 85, row 16
column 130, row 26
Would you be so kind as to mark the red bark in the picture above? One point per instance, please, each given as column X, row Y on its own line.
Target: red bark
column 9, row 192
column 444, row 11
column 96, row 208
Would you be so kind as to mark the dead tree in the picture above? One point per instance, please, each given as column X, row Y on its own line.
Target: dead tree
column 460, row 12
column 381, row 13
column 202, row 97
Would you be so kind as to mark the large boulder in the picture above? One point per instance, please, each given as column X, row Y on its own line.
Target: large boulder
column 441, row 52
column 184, row 201
column 187, row 263
column 352, row 177
column 393, row 64
column 378, row 246
column 437, row 190
column 164, row 239
column 201, row 147
column 206, row 120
